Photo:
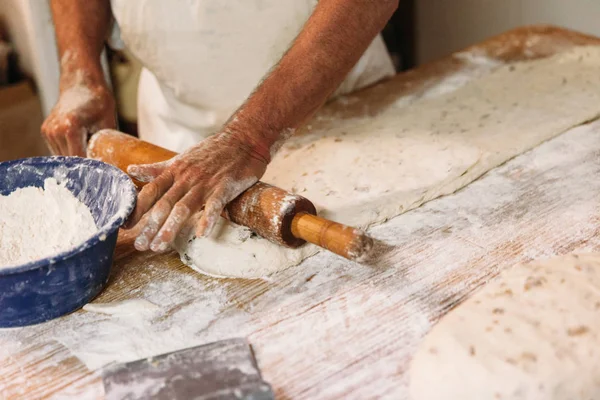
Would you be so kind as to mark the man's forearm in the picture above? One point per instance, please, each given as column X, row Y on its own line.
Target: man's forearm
column 330, row 44
column 81, row 30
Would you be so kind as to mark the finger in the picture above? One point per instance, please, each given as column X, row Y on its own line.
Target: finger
column 158, row 215
column 152, row 224
column 171, row 228
column 148, row 196
column 146, row 172
column 50, row 143
column 163, row 209
column 225, row 214
column 75, row 142
column 194, row 199
column 212, row 211
column 193, row 202
column 47, row 138
column 60, row 143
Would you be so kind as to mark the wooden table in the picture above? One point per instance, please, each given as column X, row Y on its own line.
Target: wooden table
column 330, row 328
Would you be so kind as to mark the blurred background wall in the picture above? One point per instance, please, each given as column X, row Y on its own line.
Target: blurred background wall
column 444, row 26
column 29, row 76
column 28, row 26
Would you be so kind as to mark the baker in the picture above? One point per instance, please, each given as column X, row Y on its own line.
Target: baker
column 224, row 84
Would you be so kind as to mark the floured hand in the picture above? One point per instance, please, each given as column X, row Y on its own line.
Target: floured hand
column 84, row 107
column 209, row 174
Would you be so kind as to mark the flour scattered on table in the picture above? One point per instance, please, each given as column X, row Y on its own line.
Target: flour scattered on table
column 126, row 307
column 36, row 223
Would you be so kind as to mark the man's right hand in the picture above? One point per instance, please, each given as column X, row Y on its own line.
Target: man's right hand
column 84, row 107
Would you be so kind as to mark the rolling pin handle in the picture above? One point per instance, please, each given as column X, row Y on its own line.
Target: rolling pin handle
column 345, row 241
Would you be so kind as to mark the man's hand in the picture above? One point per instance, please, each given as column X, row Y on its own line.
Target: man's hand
column 84, row 107
column 210, row 174
column 86, row 104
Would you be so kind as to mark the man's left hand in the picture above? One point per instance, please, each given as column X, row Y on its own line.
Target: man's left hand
column 209, row 174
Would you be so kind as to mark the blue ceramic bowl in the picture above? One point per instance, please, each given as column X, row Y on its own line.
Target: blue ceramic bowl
column 51, row 287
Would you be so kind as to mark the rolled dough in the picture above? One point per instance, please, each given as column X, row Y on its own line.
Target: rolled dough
column 364, row 171
column 533, row 333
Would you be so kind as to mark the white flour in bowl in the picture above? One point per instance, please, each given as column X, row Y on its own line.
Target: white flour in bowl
column 36, row 223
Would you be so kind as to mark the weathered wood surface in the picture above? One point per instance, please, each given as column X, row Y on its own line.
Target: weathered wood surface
column 330, row 328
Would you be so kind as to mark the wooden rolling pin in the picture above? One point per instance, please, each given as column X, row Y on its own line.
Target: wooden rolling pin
column 281, row 217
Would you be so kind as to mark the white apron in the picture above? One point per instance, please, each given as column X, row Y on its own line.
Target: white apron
column 203, row 58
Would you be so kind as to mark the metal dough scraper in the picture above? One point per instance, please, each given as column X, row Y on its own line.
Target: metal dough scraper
column 226, row 369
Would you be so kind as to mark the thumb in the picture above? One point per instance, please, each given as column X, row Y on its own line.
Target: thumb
column 146, row 172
